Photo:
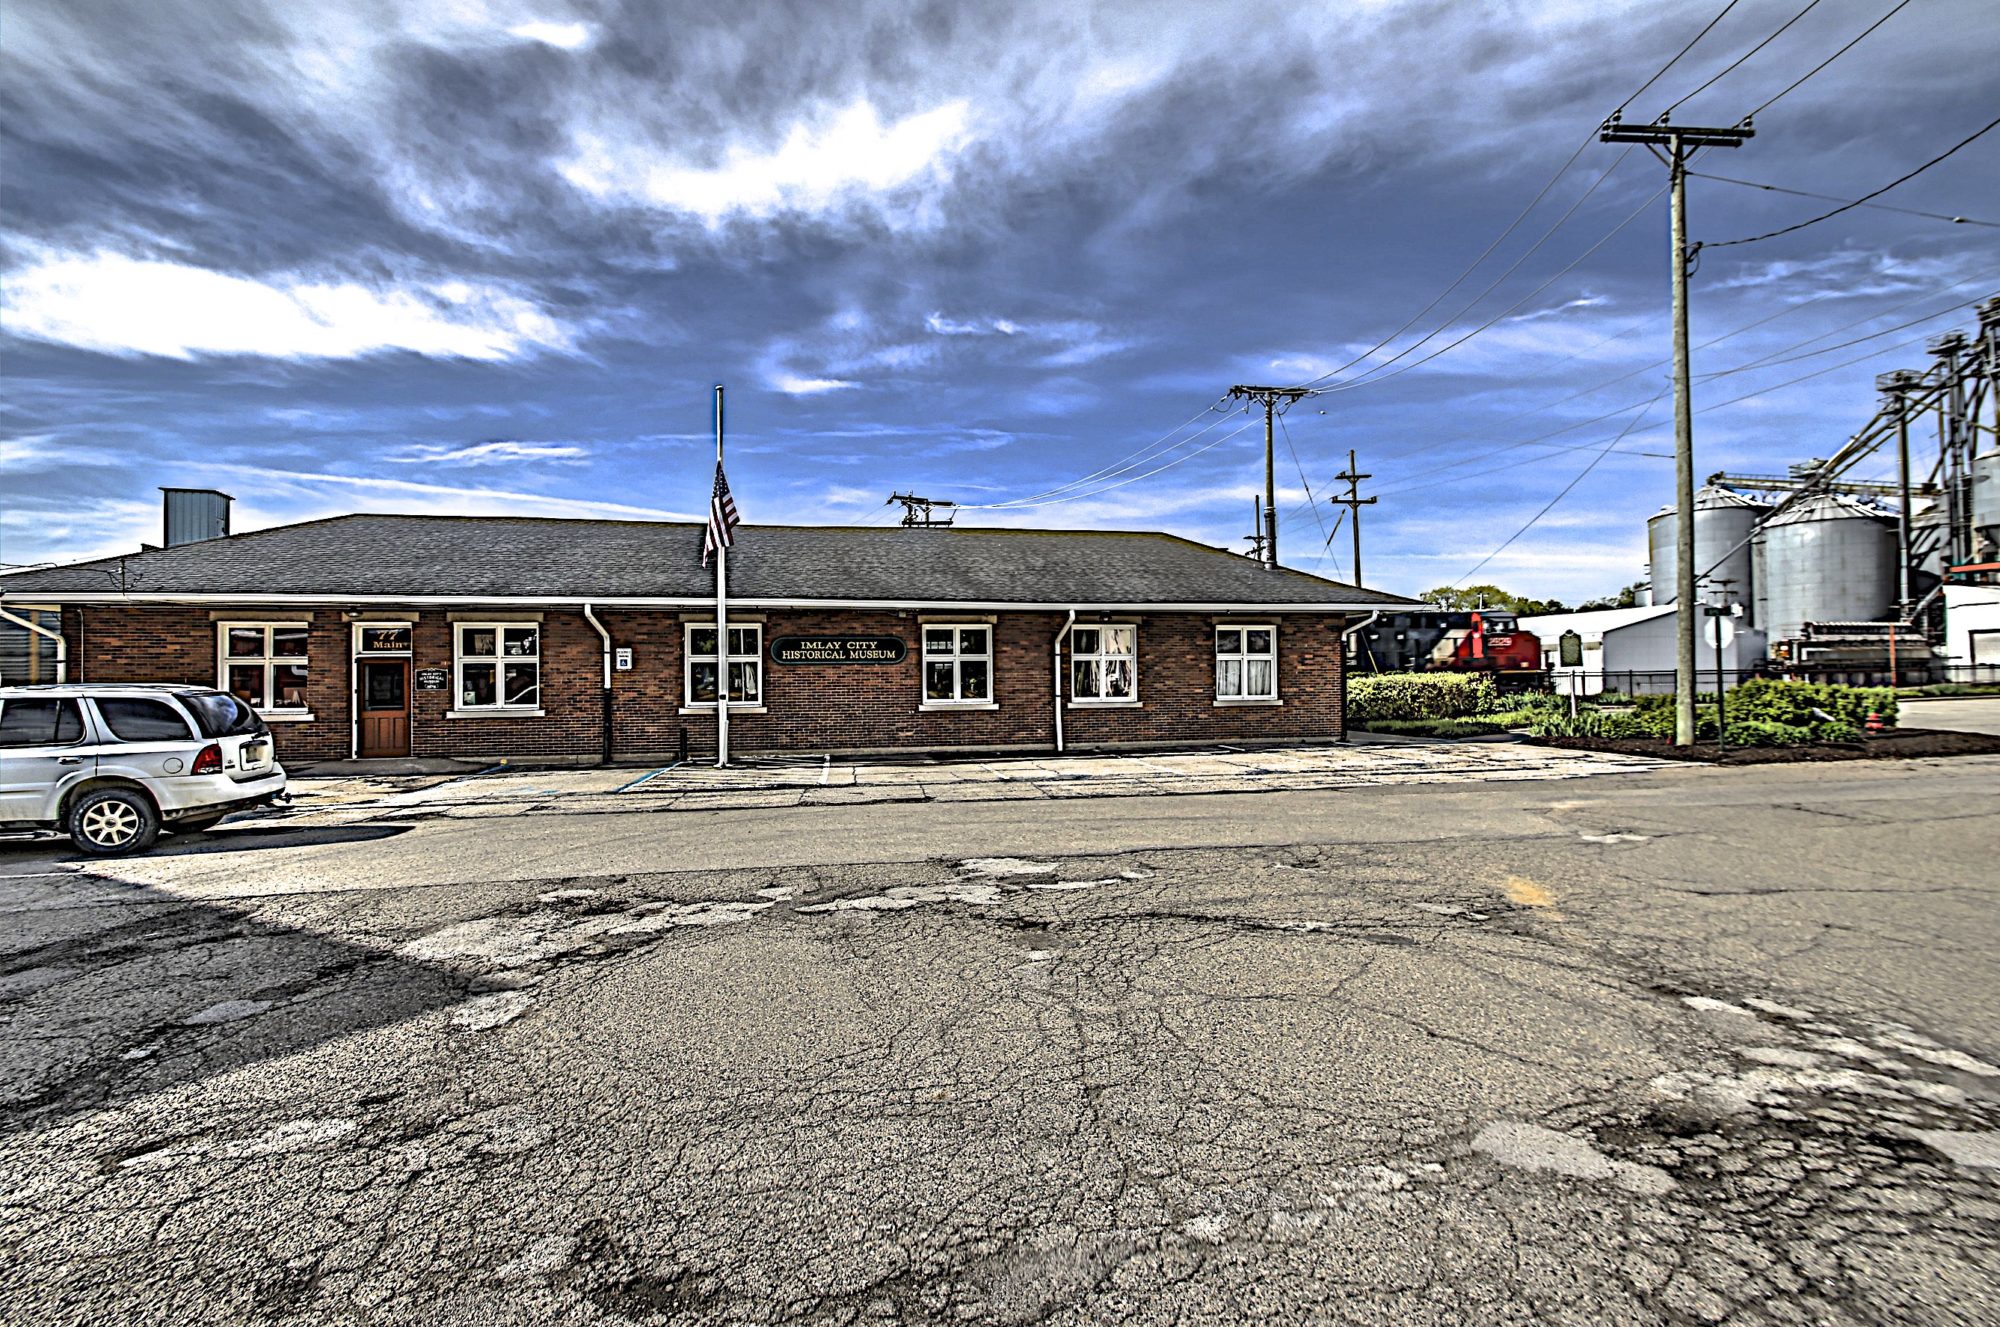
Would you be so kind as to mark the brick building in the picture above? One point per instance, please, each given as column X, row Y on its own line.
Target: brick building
column 577, row 641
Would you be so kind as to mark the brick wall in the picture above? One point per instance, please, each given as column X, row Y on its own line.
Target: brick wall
column 806, row 707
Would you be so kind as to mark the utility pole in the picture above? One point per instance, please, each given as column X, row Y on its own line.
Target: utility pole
column 1270, row 396
column 1257, row 529
column 1681, row 143
column 1354, row 502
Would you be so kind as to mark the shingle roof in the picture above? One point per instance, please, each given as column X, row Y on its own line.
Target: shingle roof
column 507, row 557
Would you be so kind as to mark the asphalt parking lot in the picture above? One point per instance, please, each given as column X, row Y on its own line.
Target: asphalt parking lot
column 1668, row 1045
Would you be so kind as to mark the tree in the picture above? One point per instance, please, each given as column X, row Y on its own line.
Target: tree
column 1455, row 599
column 1625, row 598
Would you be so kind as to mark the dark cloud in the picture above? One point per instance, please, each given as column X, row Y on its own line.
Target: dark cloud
column 387, row 235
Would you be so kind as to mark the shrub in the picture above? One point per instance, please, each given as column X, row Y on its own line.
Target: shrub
column 1586, row 723
column 1762, row 732
column 1419, row 696
column 1626, row 725
column 1447, row 728
column 1533, row 702
column 1766, row 700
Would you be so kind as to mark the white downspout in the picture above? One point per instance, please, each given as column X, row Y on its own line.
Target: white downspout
column 590, row 616
column 1056, row 659
column 62, row 646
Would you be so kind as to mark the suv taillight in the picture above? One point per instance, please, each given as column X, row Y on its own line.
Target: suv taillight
column 209, row 761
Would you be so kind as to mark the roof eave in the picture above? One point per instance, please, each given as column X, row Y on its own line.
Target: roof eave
column 88, row 597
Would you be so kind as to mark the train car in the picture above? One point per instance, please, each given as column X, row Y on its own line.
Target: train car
column 1480, row 641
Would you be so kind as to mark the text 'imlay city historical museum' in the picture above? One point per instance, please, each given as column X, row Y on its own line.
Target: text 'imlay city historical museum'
column 573, row 640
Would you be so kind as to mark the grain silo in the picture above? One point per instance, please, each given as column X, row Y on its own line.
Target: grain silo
column 1825, row 558
column 1723, row 522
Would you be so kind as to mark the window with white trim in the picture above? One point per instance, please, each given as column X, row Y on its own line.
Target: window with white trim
column 499, row 665
column 1246, row 663
column 1104, row 664
column 958, row 663
column 701, row 669
column 263, row 664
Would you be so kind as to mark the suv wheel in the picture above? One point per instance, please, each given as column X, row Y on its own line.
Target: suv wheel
column 113, row 821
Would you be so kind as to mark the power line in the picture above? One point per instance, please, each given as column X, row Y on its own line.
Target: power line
column 1460, row 278
column 1580, row 477
column 1311, row 502
column 1677, row 59
column 1829, row 59
column 1148, row 452
column 1848, row 207
column 1106, row 488
column 1375, row 370
column 1543, row 439
column 1738, row 61
column 1374, row 377
column 1769, row 362
column 1834, row 198
column 1513, row 225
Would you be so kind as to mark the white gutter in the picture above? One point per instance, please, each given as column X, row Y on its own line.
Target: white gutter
column 62, row 646
column 1055, row 696
column 605, row 636
column 706, row 603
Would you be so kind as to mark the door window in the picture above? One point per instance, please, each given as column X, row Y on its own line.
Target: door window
column 137, row 719
column 40, row 722
column 382, row 687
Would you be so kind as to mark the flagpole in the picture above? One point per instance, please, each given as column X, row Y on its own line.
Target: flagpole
column 721, row 614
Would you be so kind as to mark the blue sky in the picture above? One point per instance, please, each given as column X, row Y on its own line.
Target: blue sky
column 490, row 257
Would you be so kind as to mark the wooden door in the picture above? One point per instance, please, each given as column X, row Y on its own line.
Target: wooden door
column 385, row 707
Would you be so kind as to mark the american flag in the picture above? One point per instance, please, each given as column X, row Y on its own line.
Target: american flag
column 722, row 517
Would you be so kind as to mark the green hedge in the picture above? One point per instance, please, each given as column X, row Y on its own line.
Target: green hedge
column 1419, row 696
column 1435, row 727
column 1765, row 700
column 1761, row 713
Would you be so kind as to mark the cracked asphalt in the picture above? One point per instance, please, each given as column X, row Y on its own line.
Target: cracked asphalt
column 1682, row 1046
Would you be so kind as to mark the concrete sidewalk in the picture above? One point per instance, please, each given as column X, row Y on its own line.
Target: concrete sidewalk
column 823, row 781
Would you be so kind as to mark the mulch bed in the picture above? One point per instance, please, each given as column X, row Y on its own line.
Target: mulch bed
column 1895, row 744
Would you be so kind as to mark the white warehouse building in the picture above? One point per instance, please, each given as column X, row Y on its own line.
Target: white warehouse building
column 1631, row 650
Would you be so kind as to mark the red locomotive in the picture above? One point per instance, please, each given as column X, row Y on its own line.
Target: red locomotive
column 1436, row 641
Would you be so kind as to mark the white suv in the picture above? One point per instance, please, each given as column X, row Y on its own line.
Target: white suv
column 115, row 765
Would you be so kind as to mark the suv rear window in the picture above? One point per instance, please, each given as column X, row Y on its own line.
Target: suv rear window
column 39, row 722
column 223, row 715
column 135, row 719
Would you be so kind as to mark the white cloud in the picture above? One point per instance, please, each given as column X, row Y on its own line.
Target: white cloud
column 491, row 453
column 254, row 484
column 566, row 36
column 792, row 384
column 118, row 304
column 819, row 164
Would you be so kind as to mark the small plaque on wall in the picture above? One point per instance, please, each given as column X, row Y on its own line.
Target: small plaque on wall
column 433, row 679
